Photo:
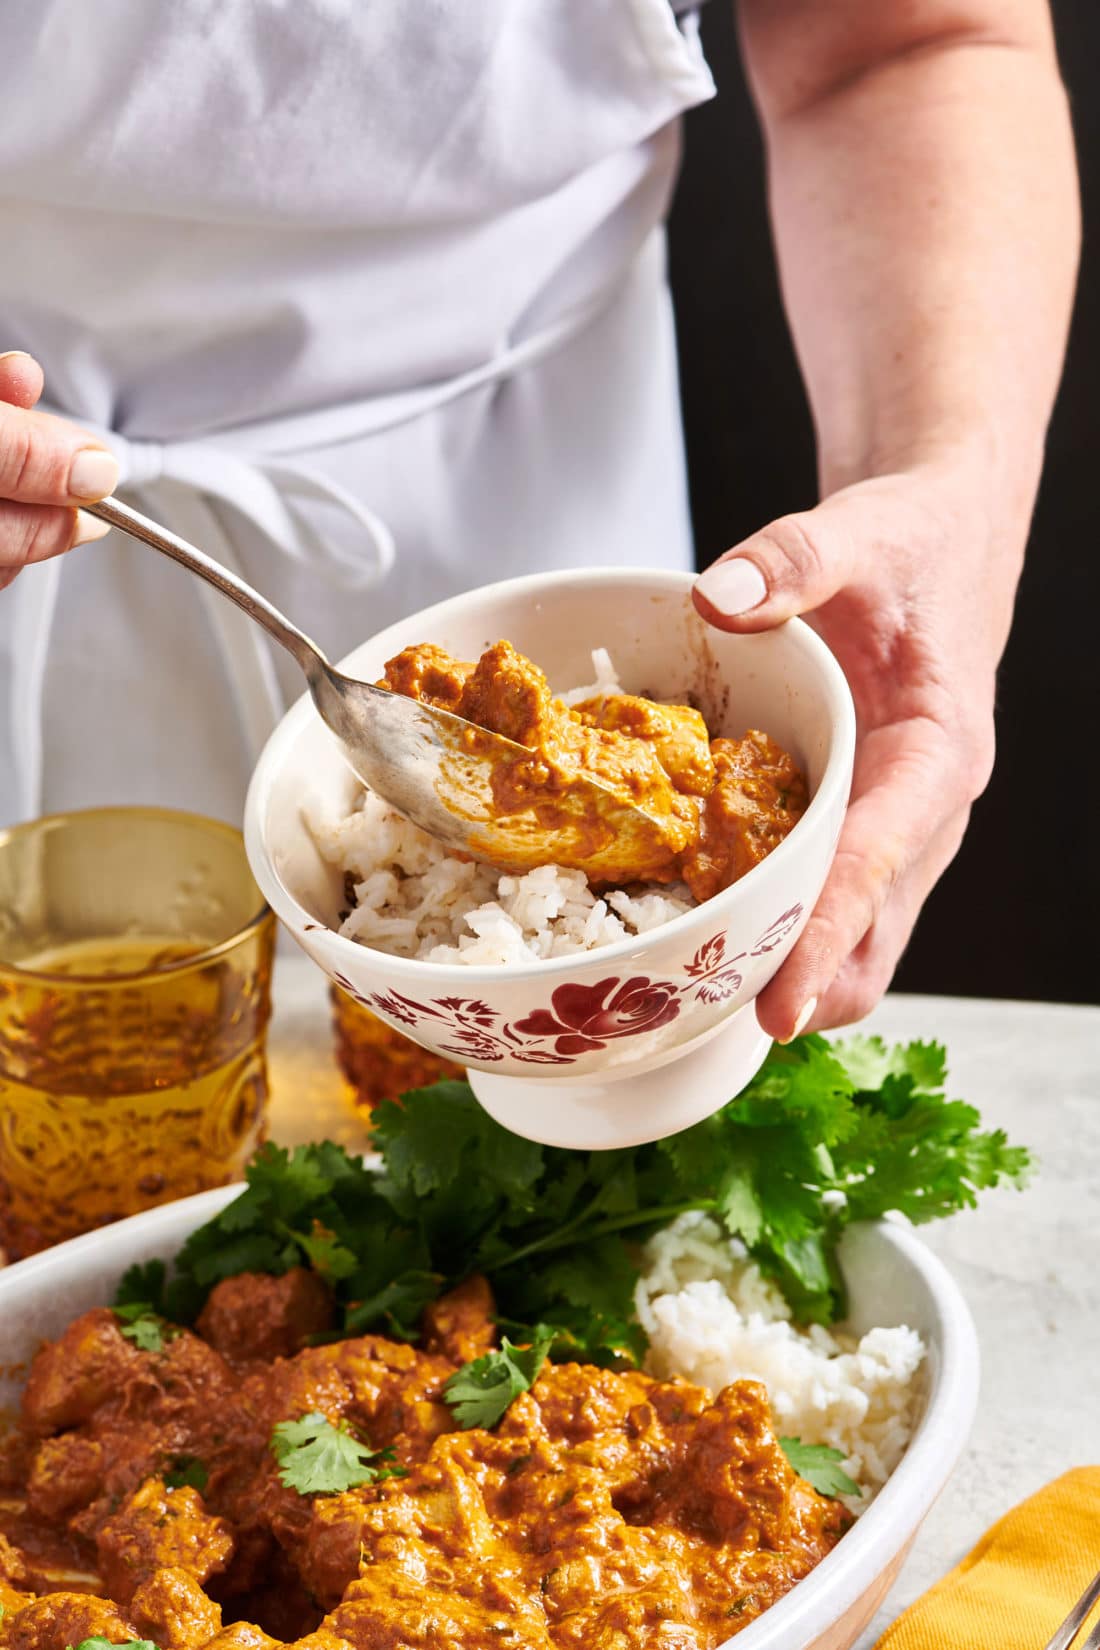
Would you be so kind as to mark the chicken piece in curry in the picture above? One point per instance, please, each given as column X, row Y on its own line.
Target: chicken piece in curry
column 605, row 1510
column 673, row 805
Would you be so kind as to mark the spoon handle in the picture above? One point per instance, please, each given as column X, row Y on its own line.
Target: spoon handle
column 307, row 653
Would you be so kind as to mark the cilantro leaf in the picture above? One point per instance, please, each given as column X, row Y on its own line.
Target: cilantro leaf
column 329, row 1257
column 317, row 1458
column 142, row 1283
column 598, row 1277
column 306, row 1207
column 480, row 1392
column 596, row 1338
column 802, row 1085
column 101, row 1643
column 436, row 1132
column 395, row 1306
column 869, row 1062
column 288, row 1183
column 921, row 1155
column 739, row 1203
column 146, row 1328
column 108, row 1644
column 186, row 1471
column 820, row 1466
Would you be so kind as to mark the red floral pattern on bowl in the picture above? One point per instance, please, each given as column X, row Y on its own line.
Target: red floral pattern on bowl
column 581, row 1019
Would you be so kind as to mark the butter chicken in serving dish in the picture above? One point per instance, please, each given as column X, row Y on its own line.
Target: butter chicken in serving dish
column 233, row 1487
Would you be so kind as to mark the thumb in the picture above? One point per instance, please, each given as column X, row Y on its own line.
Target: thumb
column 20, row 378
column 789, row 567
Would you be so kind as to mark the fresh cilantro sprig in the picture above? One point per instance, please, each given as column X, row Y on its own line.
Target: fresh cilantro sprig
column 317, row 1458
column 823, row 1135
column 481, row 1391
column 318, row 1207
column 820, row 1466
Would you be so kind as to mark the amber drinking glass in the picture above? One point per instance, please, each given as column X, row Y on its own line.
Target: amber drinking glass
column 135, row 992
column 378, row 1062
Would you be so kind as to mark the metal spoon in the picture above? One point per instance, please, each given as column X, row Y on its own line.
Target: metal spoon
column 432, row 766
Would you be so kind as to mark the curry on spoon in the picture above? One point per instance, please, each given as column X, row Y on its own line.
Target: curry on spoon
column 472, row 789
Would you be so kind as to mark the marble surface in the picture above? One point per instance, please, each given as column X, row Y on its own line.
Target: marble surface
column 1028, row 1263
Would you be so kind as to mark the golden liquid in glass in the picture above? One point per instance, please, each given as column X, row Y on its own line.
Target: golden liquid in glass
column 127, row 1078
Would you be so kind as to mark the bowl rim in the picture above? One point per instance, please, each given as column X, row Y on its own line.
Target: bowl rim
column 835, row 779
column 845, row 1575
column 63, row 819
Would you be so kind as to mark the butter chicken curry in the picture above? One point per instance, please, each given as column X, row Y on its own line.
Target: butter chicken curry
column 673, row 805
column 603, row 1511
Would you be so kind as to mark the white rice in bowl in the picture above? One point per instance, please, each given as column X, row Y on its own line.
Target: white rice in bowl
column 414, row 899
column 712, row 1317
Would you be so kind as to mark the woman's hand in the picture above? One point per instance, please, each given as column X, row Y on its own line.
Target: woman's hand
column 911, row 585
column 48, row 468
column 927, row 244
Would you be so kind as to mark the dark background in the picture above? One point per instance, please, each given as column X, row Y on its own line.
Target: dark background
column 1015, row 915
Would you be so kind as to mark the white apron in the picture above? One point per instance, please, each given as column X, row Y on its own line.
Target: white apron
column 370, row 302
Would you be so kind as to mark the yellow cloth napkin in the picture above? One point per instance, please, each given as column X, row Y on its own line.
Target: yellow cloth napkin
column 1021, row 1580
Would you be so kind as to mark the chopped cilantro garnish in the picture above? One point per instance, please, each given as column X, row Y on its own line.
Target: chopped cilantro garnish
column 820, row 1466
column 186, row 1471
column 100, row 1643
column 317, row 1458
column 480, row 1392
column 146, row 1328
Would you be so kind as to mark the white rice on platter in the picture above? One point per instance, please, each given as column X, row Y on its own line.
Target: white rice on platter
column 414, row 899
column 712, row 1317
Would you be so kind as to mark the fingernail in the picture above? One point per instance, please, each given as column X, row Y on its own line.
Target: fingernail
column 89, row 527
column 94, row 474
column 804, row 1016
column 733, row 586
column 801, row 1020
column 10, row 354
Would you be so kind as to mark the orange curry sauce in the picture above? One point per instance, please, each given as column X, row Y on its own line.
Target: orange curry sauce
column 605, row 1511
column 710, row 809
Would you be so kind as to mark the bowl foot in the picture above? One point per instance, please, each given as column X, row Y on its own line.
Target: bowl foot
column 626, row 1107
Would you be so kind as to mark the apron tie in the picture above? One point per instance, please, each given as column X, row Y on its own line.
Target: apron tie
column 300, row 512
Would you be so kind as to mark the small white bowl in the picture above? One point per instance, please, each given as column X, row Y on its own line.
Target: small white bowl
column 571, row 1051
column 892, row 1279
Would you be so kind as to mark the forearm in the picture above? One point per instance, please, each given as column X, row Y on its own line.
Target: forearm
column 925, row 214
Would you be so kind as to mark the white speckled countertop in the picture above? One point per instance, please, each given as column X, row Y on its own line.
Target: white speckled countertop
column 1028, row 1263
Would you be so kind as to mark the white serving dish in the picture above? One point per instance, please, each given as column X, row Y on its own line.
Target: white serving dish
column 572, row 1051
column 892, row 1279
